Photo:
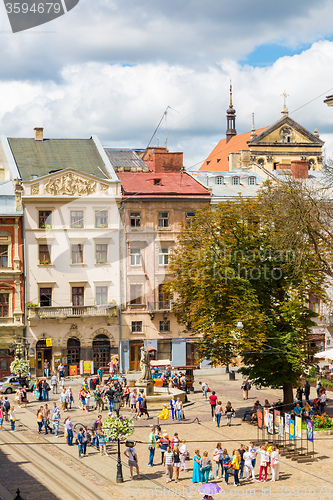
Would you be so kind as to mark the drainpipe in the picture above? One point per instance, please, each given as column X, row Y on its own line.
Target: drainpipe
column 121, row 357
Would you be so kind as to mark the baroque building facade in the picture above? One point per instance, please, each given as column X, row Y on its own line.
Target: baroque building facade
column 70, row 199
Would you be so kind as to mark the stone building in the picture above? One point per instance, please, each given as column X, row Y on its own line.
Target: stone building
column 70, row 198
column 158, row 197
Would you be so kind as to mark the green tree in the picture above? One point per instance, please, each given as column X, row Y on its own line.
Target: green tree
column 230, row 267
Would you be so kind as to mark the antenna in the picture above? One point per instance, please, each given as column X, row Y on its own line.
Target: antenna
column 166, row 127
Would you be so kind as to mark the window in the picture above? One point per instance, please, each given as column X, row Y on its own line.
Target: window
column 77, row 253
column 135, row 219
column 163, row 297
column 163, row 219
column 76, row 218
column 44, row 218
column 73, row 351
column 314, row 304
column 252, row 181
column 78, row 295
column 101, row 253
column 101, row 295
column 235, row 181
column 165, row 325
column 101, row 218
column 45, row 297
column 219, row 180
column 188, row 217
column 135, row 256
column 4, row 304
column 164, row 349
column 163, row 256
column 44, row 254
column 3, row 255
column 136, row 294
column 136, row 326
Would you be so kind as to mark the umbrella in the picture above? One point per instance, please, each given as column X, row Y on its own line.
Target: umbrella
column 325, row 354
column 209, row 489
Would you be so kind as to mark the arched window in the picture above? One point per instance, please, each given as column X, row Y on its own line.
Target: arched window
column 219, row 179
column 73, row 351
column 235, row 181
column 101, row 351
column 252, row 181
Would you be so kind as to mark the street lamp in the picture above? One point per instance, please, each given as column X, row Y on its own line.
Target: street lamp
column 119, row 478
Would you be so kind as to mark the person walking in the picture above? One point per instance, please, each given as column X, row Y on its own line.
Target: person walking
column 226, row 461
column 235, row 463
column 204, row 388
column 205, row 466
column 246, row 386
column 100, row 374
column 184, row 454
column 168, row 461
column 63, row 399
column 39, row 418
column 322, row 400
column 6, row 408
column 143, row 407
column 307, row 389
column 46, row 419
column 85, row 439
column 45, row 391
column 56, row 422
column 132, row 456
column 218, row 413
column 212, row 401
column 176, row 463
column 229, row 413
column 164, row 442
column 98, row 399
column 133, row 396
column 79, row 439
column 151, row 447
column 179, row 409
column 264, row 461
column 69, row 398
column 253, row 451
column 318, row 386
column 241, row 464
column 275, row 463
column 54, row 384
column 61, row 370
column 101, row 441
column 247, row 456
column 196, row 475
column 46, row 369
column 217, row 457
column 12, row 418
column 173, row 402
column 69, row 429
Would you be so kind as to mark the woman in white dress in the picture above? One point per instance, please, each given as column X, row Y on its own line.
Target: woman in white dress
column 275, row 463
column 247, row 457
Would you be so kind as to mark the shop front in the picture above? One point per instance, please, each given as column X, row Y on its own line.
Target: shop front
column 43, row 354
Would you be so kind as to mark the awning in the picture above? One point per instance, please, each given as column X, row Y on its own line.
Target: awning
column 151, row 348
column 325, row 354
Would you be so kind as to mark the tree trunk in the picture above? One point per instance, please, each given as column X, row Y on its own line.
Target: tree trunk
column 288, row 397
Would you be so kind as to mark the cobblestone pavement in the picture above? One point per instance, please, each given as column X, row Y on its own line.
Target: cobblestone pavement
column 309, row 480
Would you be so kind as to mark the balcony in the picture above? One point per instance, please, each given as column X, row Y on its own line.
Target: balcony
column 72, row 312
column 160, row 306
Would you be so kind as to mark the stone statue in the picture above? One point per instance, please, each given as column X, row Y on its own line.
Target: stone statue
column 145, row 365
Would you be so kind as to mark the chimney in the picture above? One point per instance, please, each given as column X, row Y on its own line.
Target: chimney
column 300, row 169
column 38, row 133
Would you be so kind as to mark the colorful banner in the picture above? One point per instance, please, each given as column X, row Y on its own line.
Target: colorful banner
column 309, row 430
column 86, row 367
column 48, row 342
column 286, row 423
column 260, row 418
column 280, row 427
column 266, row 413
column 277, row 414
column 298, row 426
column 72, row 369
column 291, row 430
column 270, row 422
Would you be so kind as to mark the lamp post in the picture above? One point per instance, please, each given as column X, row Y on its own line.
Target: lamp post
column 119, row 478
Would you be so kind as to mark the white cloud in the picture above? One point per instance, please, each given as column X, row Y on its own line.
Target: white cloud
column 123, row 105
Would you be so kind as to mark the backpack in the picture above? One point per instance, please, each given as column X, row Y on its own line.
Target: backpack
column 6, row 404
column 243, row 386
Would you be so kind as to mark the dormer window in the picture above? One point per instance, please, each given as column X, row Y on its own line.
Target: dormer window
column 235, row 181
column 252, row 181
column 157, row 182
column 219, row 180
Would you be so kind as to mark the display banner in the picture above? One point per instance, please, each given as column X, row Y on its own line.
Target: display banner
column 266, row 413
column 298, row 426
column 286, row 423
column 291, row 430
column 309, row 430
column 260, row 419
column 280, row 427
column 277, row 414
column 270, row 422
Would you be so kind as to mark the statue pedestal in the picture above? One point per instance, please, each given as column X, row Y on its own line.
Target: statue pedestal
column 146, row 385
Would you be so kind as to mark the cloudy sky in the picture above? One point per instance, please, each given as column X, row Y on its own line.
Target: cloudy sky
column 112, row 68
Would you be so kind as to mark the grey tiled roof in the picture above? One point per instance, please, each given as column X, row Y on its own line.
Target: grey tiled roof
column 126, row 158
column 38, row 158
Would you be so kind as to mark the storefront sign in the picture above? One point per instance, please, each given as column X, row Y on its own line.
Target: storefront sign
column 48, row 342
column 72, row 369
column 86, row 367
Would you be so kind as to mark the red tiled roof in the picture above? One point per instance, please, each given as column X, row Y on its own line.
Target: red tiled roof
column 171, row 185
column 219, row 158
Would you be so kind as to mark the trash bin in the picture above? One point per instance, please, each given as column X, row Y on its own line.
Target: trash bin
column 232, row 375
column 92, row 384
